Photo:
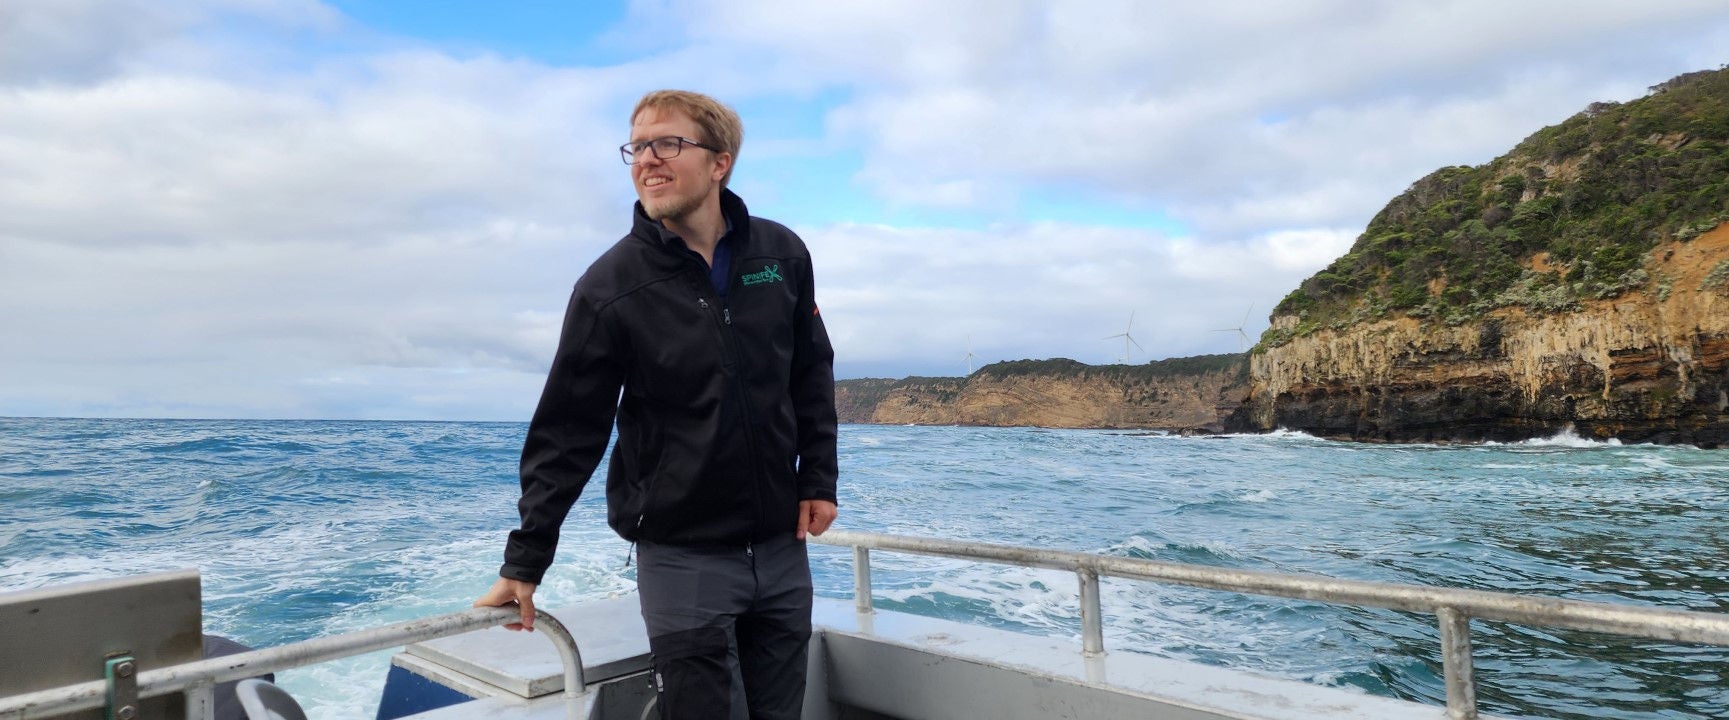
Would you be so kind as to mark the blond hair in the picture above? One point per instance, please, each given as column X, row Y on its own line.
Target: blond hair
column 718, row 123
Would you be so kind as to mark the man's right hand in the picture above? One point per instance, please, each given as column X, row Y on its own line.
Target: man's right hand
column 507, row 592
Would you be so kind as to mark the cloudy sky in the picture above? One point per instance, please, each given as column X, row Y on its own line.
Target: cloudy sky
column 376, row 208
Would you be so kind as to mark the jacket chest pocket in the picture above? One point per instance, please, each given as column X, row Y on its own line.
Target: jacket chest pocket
column 678, row 356
column 762, row 321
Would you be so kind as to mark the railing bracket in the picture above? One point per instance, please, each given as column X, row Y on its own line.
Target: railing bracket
column 121, row 674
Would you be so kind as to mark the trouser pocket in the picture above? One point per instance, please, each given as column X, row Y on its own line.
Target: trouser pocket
column 691, row 678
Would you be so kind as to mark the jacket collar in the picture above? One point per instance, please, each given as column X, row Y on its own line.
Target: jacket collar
column 731, row 207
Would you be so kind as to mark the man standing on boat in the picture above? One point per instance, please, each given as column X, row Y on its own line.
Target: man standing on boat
column 699, row 332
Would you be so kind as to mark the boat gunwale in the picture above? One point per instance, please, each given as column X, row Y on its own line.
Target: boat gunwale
column 1453, row 608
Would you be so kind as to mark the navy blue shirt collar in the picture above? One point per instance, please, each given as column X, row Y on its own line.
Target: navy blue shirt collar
column 719, row 269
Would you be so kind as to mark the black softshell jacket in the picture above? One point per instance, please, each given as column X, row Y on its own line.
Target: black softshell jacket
column 726, row 418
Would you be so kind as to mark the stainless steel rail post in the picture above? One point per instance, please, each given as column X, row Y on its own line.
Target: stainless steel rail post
column 1456, row 663
column 861, row 579
column 201, row 700
column 1092, row 617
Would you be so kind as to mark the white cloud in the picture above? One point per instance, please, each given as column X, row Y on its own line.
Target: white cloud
column 1203, row 108
column 206, row 211
column 386, row 151
column 1047, row 290
column 228, row 242
column 210, row 328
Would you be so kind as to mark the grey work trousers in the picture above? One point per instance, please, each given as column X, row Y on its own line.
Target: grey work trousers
column 729, row 628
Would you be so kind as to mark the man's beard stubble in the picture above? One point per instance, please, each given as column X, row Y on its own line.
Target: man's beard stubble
column 672, row 208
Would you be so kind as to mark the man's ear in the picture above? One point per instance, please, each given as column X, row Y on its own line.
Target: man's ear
column 722, row 164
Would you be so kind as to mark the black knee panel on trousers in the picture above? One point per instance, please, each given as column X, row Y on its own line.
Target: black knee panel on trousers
column 691, row 677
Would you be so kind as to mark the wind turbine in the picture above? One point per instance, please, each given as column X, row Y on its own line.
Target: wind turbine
column 970, row 355
column 1242, row 337
column 1127, row 338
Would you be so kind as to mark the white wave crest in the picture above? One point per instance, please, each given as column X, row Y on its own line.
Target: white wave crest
column 1284, row 432
column 1566, row 438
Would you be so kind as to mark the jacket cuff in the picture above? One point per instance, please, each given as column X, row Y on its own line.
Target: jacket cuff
column 817, row 493
column 522, row 572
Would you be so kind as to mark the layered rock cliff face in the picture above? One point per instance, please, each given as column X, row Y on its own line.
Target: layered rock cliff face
column 1184, row 395
column 1647, row 366
column 1580, row 280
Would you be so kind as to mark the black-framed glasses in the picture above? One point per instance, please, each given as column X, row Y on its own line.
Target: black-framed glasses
column 664, row 148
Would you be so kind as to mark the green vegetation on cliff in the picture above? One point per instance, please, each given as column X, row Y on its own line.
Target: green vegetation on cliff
column 1191, row 394
column 1157, row 369
column 1568, row 215
column 873, row 390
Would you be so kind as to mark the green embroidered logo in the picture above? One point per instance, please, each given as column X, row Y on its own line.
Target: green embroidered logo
column 766, row 275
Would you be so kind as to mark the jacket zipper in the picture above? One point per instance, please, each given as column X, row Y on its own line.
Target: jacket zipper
column 729, row 356
column 757, row 476
column 648, row 490
column 729, row 342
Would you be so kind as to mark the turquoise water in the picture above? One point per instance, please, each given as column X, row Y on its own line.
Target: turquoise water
column 310, row 528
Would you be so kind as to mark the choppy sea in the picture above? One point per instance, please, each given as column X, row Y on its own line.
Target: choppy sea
column 304, row 529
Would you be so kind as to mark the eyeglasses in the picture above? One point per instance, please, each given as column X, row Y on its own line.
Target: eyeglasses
column 664, row 148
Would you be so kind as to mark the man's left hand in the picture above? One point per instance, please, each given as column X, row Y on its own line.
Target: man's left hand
column 814, row 516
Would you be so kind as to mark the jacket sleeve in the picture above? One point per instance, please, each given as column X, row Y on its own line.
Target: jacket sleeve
column 566, row 436
column 813, row 395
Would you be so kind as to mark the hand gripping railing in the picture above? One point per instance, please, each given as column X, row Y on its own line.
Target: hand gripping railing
column 1453, row 608
column 197, row 680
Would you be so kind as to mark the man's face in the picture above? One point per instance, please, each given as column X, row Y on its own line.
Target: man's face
column 672, row 189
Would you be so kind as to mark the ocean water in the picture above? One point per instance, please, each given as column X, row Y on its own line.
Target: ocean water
column 304, row 529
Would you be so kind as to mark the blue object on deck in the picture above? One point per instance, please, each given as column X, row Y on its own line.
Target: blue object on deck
column 406, row 693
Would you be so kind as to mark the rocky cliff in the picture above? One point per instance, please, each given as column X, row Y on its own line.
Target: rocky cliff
column 1580, row 280
column 1183, row 394
column 1648, row 366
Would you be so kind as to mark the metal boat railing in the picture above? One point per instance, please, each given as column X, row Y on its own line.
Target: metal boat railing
column 197, row 680
column 1453, row 608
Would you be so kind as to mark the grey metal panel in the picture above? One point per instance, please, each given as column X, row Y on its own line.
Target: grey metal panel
column 816, row 696
column 928, row 669
column 915, row 684
column 59, row 636
column 610, row 632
